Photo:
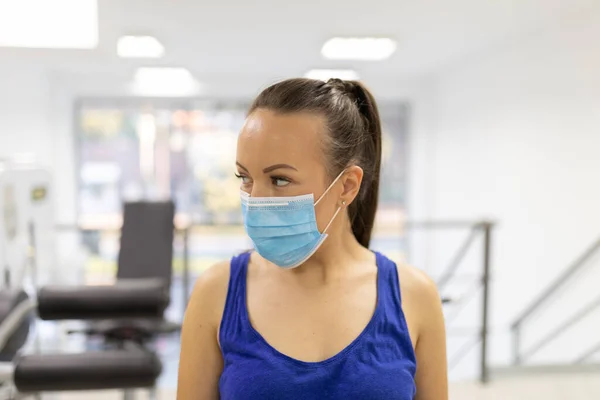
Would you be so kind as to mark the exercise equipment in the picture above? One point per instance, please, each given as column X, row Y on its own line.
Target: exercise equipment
column 127, row 365
column 127, row 315
column 125, row 299
column 145, row 254
column 26, row 220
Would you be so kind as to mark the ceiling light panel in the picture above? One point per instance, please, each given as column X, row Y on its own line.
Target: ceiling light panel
column 139, row 47
column 56, row 24
column 326, row 74
column 358, row 49
column 165, row 82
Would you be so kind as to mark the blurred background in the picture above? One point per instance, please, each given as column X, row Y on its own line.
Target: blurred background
column 490, row 179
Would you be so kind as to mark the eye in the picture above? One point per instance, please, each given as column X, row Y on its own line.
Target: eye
column 279, row 181
column 245, row 180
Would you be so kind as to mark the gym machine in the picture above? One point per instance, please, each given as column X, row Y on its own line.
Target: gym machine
column 124, row 365
column 127, row 315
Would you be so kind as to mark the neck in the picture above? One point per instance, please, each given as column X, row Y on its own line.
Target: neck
column 337, row 256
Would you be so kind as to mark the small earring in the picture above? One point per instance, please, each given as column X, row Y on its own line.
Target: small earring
column 344, row 203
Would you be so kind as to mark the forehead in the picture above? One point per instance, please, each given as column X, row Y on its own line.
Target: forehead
column 271, row 138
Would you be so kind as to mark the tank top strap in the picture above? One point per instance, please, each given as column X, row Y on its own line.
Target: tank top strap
column 388, row 289
column 233, row 321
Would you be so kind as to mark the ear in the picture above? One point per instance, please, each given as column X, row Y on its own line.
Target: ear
column 351, row 180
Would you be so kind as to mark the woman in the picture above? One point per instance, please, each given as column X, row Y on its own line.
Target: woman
column 312, row 313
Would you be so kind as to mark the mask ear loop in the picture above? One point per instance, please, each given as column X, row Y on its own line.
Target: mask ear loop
column 330, row 186
column 334, row 215
column 323, row 195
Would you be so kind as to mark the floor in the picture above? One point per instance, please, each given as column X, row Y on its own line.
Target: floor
column 547, row 387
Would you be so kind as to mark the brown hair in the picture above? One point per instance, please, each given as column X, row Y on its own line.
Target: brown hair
column 354, row 134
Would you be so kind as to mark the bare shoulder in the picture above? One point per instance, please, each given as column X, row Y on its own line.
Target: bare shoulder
column 210, row 292
column 416, row 284
column 214, row 277
column 200, row 360
column 422, row 308
column 421, row 302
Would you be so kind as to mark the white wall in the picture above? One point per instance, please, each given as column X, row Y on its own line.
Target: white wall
column 515, row 136
column 24, row 99
column 36, row 119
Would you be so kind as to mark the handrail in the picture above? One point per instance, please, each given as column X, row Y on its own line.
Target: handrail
column 463, row 351
column 557, row 283
column 588, row 354
column 462, row 302
column 449, row 224
column 479, row 334
column 458, row 257
column 487, row 260
column 578, row 316
column 408, row 224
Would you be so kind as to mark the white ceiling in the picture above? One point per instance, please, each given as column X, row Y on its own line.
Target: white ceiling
column 260, row 41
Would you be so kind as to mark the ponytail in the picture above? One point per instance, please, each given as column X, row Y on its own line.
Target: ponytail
column 354, row 131
column 362, row 211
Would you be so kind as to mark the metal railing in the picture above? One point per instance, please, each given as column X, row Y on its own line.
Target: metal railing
column 480, row 335
column 580, row 262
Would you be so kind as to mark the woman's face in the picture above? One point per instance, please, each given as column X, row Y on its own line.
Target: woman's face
column 281, row 155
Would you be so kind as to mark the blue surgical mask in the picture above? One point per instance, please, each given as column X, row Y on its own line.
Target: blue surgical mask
column 284, row 229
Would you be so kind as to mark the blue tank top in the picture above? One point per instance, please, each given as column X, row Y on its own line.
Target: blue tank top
column 379, row 364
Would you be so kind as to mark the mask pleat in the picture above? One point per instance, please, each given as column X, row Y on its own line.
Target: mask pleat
column 297, row 256
column 286, row 244
column 272, row 231
column 283, row 229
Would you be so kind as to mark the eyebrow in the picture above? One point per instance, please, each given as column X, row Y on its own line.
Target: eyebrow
column 241, row 166
column 278, row 166
column 269, row 169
